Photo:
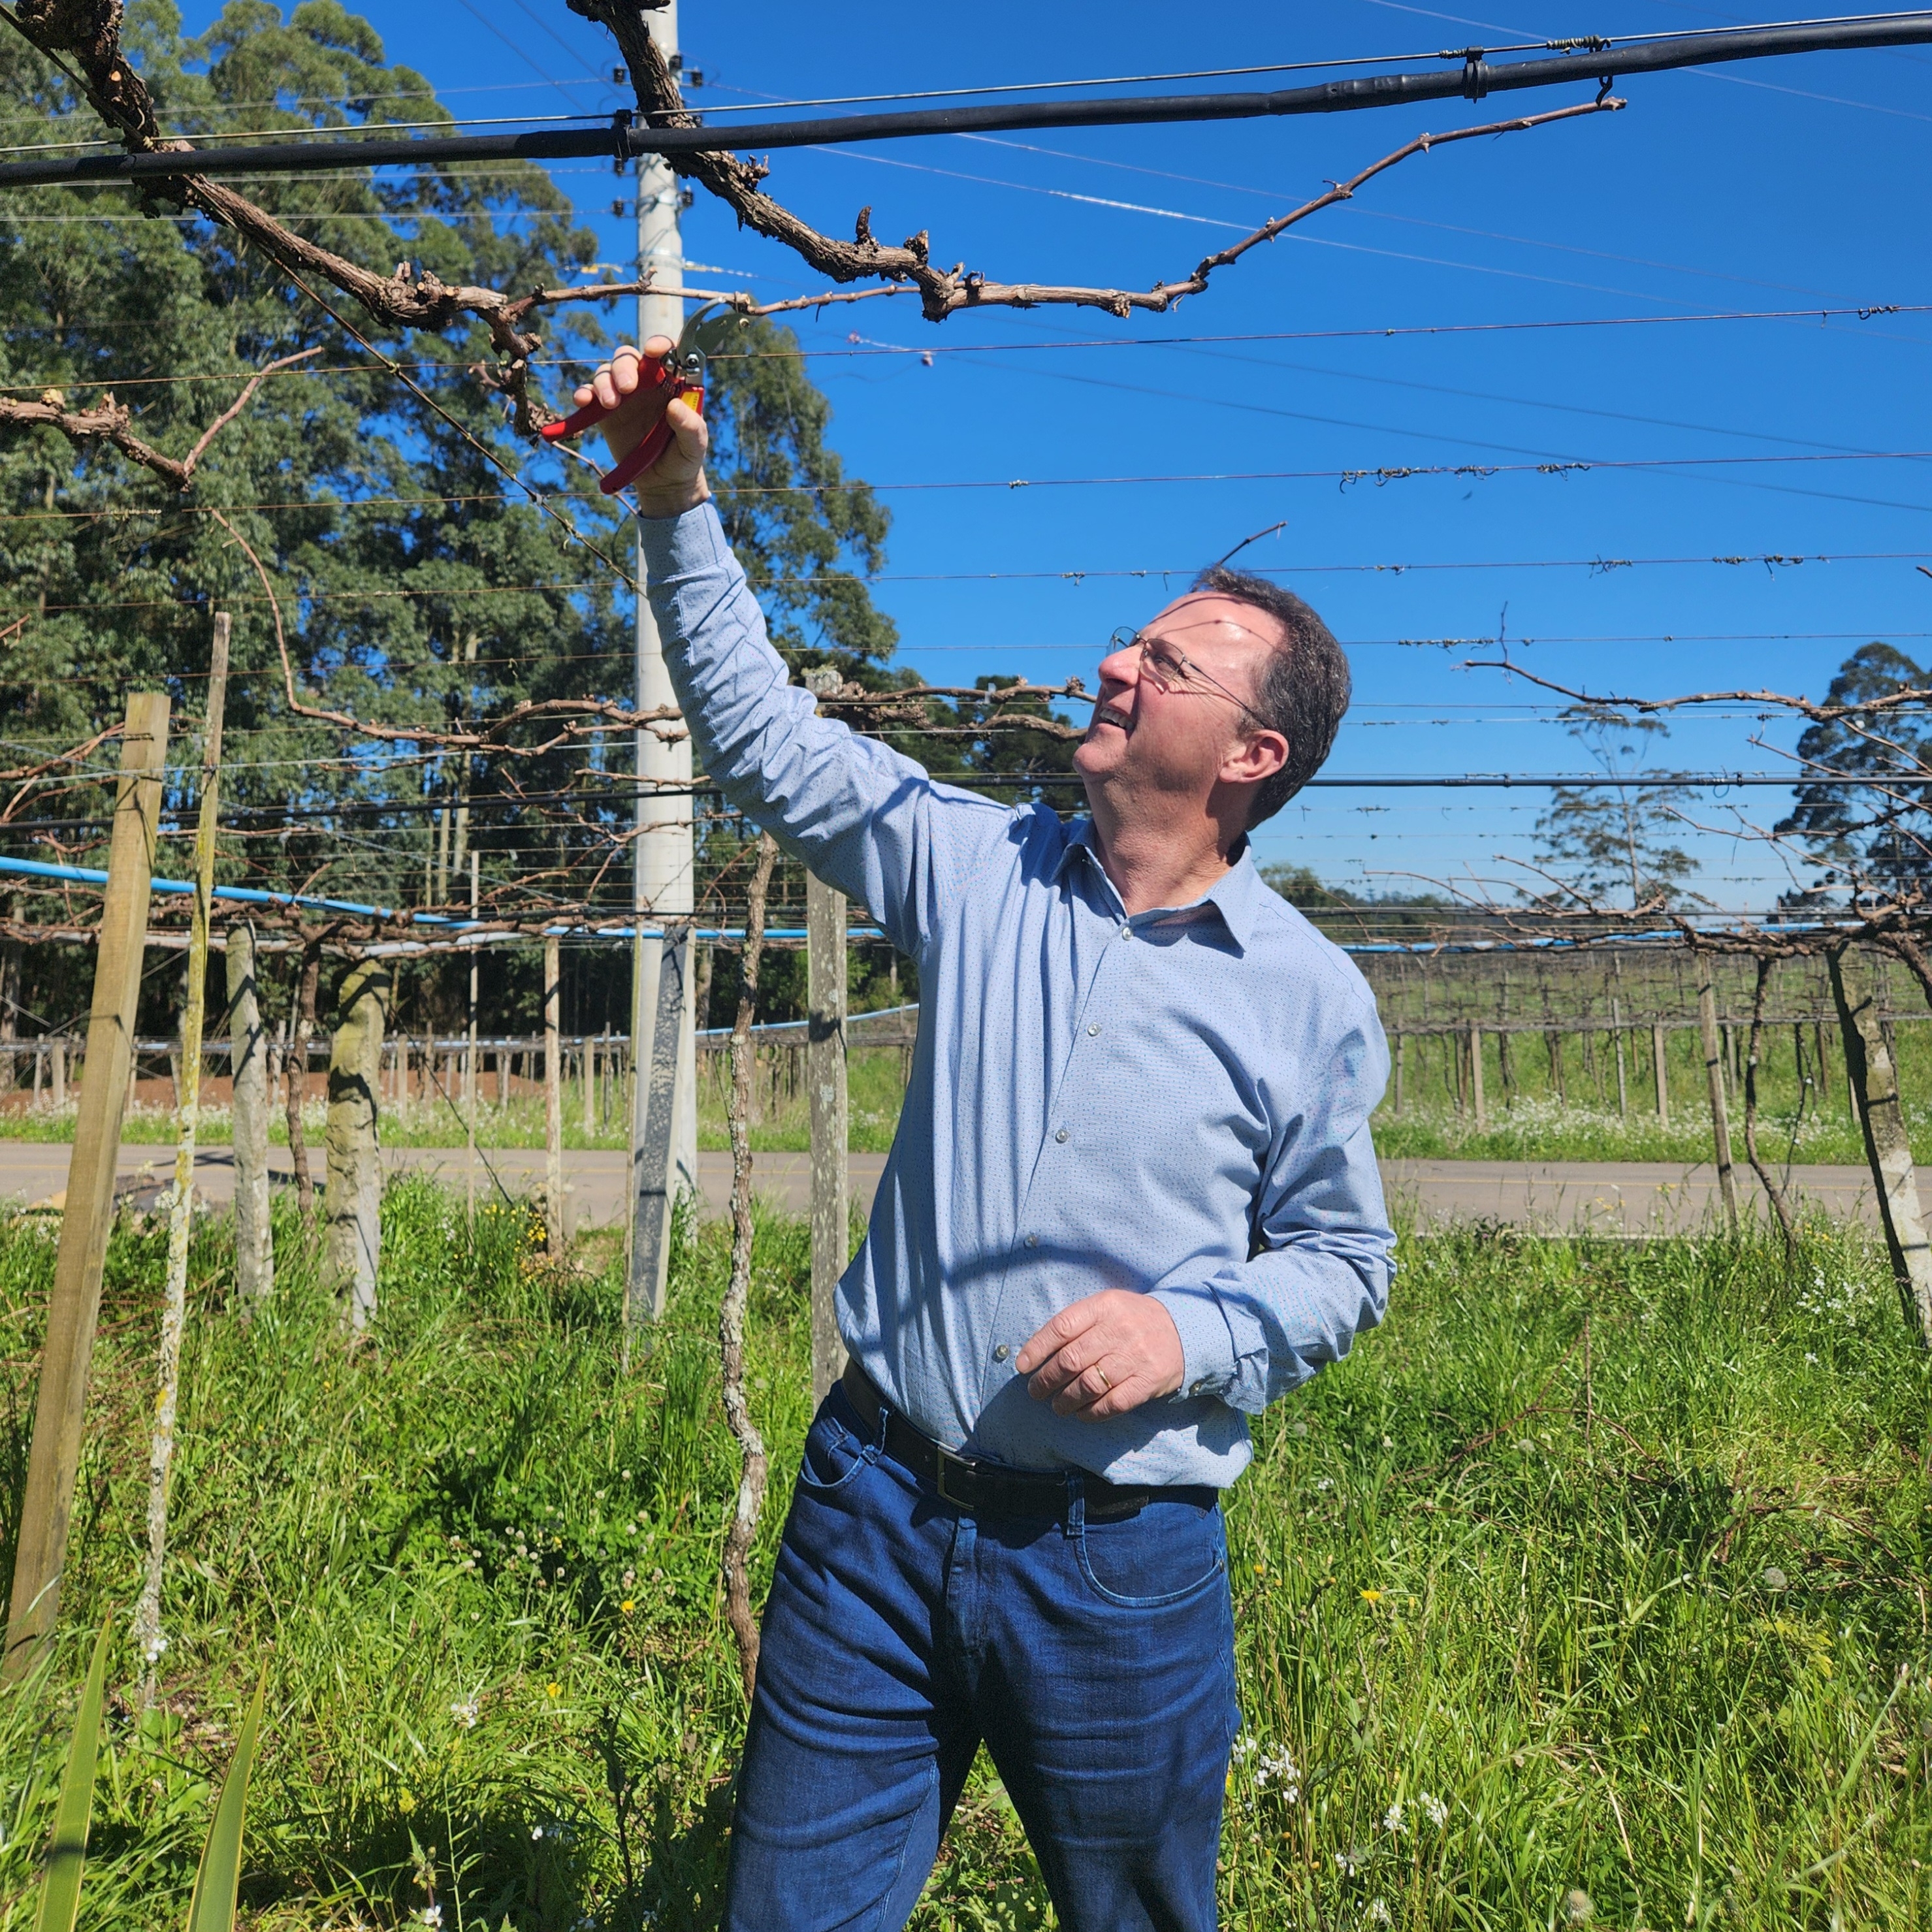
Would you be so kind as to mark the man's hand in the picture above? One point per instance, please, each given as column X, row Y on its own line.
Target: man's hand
column 675, row 483
column 1103, row 1355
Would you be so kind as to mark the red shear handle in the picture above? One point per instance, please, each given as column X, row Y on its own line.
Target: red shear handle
column 594, row 413
column 690, row 393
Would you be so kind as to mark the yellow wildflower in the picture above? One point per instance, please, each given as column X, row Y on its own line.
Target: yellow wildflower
column 1372, row 1597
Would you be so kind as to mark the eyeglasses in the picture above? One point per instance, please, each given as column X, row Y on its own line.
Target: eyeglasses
column 1168, row 670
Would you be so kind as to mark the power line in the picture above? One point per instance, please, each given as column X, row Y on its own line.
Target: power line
column 624, row 140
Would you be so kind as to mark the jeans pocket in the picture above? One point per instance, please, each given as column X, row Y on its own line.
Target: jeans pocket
column 1167, row 1553
column 834, row 1453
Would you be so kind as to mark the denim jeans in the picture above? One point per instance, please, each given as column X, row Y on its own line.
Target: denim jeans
column 1095, row 1660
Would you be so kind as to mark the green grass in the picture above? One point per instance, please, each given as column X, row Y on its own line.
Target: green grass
column 1541, row 1128
column 1606, row 1564
column 873, row 1084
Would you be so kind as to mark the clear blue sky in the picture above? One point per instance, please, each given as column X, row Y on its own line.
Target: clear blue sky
column 1769, row 185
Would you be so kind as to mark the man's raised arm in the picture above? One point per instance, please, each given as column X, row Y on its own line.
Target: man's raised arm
column 864, row 818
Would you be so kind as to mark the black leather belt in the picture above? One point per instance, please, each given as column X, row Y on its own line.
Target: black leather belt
column 982, row 1488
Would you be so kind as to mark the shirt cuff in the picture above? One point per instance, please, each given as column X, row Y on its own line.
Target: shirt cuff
column 691, row 541
column 1209, row 1363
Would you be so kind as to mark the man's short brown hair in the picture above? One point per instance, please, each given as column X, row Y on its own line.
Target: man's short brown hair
column 1301, row 689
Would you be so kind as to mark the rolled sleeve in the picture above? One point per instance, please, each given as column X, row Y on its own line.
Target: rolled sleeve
column 1251, row 1332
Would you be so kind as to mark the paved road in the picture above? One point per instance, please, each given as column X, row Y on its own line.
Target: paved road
column 1623, row 1197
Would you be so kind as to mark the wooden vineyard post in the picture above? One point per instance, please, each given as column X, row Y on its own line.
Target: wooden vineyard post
column 825, row 1077
column 148, row 1638
column 1623, row 1083
column 1401, row 1054
column 1476, row 1078
column 1874, row 1081
column 60, row 1405
column 1714, row 1074
column 248, row 1057
column 1660, row 1067
column 554, row 1230
column 351, row 1246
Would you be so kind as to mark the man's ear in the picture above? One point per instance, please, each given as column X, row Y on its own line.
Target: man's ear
column 1254, row 756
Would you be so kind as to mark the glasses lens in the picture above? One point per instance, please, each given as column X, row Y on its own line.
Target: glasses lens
column 1125, row 637
column 1160, row 661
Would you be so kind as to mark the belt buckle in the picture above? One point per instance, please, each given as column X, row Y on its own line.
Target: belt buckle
column 948, row 1460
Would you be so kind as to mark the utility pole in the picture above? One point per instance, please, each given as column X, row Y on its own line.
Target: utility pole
column 664, row 1082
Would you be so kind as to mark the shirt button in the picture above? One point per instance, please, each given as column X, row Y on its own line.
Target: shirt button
column 1126, row 932
column 1093, row 1031
column 1199, row 1388
column 1033, row 1241
column 1000, row 1354
column 1062, row 1134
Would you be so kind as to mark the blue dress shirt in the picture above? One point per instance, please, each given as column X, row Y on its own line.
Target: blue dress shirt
column 1175, row 1102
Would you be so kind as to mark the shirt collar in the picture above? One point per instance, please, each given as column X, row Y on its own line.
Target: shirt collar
column 1236, row 895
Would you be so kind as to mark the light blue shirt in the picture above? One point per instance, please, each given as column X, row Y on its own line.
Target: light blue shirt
column 1175, row 1103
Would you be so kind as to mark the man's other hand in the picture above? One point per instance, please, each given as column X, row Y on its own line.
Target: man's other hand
column 1103, row 1355
column 675, row 483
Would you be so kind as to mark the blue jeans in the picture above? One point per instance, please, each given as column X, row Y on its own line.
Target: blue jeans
column 1095, row 1659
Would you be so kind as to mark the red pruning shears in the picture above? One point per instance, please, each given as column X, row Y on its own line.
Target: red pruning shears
column 681, row 372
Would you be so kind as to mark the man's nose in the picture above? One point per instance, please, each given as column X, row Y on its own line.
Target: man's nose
column 1122, row 666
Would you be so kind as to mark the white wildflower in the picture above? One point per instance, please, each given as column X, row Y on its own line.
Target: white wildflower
column 1434, row 1810
column 466, row 1713
column 1351, row 1861
column 431, row 1915
column 1378, row 1913
column 1392, row 1818
column 153, row 1648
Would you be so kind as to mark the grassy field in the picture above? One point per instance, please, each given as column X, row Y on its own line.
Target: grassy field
column 1593, row 1588
column 873, row 1081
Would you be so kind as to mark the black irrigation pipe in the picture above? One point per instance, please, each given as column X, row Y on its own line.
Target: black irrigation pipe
column 622, row 140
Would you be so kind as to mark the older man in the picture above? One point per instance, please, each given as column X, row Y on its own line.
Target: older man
column 1132, row 1201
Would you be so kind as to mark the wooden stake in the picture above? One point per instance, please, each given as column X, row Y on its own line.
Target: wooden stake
column 1476, row 1078
column 248, row 1058
column 352, row 1245
column 752, row 1469
column 295, row 1074
column 1617, row 1034
column 148, row 1638
column 470, row 1082
column 1874, row 1080
column 73, row 1305
column 554, row 1230
column 825, row 1078
column 1658, row 1066
column 1714, row 1074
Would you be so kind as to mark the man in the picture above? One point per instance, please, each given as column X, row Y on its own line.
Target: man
column 1132, row 1200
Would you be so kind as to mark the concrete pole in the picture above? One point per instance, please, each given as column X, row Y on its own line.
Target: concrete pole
column 554, row 1094
column 825, row 1079
column 664, row 1166
column 248, row 1057
column 1714, row 1074
column 74, row 1304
